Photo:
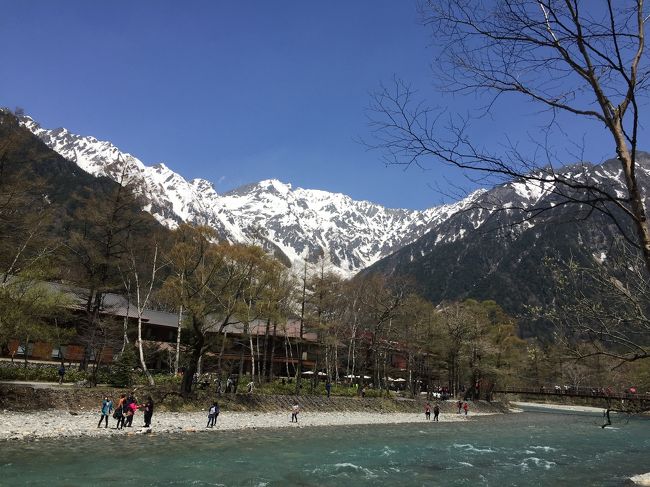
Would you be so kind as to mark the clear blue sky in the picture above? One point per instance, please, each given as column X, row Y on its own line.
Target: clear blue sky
column 236, row 91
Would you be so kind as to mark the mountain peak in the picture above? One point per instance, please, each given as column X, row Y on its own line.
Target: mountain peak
column 298, row 222
column 275, row 185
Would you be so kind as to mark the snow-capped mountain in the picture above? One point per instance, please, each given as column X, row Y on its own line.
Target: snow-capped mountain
column 301, row 223
column 496, row 250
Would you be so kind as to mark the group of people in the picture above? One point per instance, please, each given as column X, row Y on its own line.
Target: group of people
column 127, row 406
column 124, row 411
column 462, row 406
column 427, row 411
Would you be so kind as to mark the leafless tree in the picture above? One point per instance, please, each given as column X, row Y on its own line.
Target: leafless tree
column 571, row 58
column 616, row 323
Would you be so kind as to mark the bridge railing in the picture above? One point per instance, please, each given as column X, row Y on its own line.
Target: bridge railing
column 573, row 391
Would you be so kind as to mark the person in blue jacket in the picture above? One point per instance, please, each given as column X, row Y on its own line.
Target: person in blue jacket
column 107, row 409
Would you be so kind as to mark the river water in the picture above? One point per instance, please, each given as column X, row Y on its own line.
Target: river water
column 530, row 448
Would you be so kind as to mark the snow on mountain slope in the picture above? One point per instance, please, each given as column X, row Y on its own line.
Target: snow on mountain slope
column 302, row 223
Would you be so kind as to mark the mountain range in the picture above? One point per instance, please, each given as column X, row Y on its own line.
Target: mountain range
column 481, row 247
column 300, row 224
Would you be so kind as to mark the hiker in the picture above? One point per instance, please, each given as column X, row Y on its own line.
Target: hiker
column 295, row 409
column 107, row 409
column 328, row 388
column 436, row 412
column 427, row 411
column 465, row 408
column 213, row 413
column 61, row 373
column 148, row 411
column 460, row 405
column 119, row 412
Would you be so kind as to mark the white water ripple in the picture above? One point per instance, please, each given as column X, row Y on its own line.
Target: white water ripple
column 472, row 448
column 537, row 462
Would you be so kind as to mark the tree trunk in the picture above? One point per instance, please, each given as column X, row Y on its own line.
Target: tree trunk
column 636, row 199
column 197, row 353
column 250, row 342
column 264, row 364
column 221, row 352
column 178, row 340
column 275, row 326
column 143, row 364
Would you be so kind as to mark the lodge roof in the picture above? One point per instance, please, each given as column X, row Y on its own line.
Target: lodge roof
column 118, row 305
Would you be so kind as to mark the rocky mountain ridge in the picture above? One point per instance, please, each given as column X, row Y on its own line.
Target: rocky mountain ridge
column 300, row 223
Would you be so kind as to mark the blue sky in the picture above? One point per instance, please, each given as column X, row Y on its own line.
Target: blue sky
column 236, row 92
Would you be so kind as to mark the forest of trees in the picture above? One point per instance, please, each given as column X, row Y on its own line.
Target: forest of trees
column 91, row 235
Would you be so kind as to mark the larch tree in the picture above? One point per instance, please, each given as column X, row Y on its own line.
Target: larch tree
column 98, row 235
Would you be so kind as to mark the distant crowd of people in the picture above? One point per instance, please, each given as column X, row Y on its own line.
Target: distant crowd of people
column 126, row 407
column 124, row 411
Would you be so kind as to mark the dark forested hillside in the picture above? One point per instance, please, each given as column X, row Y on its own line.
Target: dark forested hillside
column 502, row 258
column 34, row 175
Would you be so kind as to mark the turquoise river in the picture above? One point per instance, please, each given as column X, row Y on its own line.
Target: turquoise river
column 535, row 447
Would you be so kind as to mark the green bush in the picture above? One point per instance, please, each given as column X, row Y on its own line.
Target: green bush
column 277, row 387
column 122, row 373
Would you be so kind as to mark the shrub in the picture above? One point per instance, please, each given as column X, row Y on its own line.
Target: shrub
column 122, row 375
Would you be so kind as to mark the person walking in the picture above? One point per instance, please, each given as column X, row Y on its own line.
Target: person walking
column 61, row 373
column 436, row 412
column 427, row 411
column 465, row 408
column 148, row 411
column 107, row 409
column 295, row 409
column 460, row 406
column 328, row 388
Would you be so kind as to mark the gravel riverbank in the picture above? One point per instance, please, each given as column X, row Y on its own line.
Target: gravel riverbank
column 57, row 423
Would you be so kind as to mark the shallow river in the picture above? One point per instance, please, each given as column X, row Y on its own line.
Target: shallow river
column 530, row 448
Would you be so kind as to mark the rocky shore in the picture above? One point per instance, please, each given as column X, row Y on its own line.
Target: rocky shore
column 57, row 423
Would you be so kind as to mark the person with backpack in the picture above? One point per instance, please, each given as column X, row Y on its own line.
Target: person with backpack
column 107, row 409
